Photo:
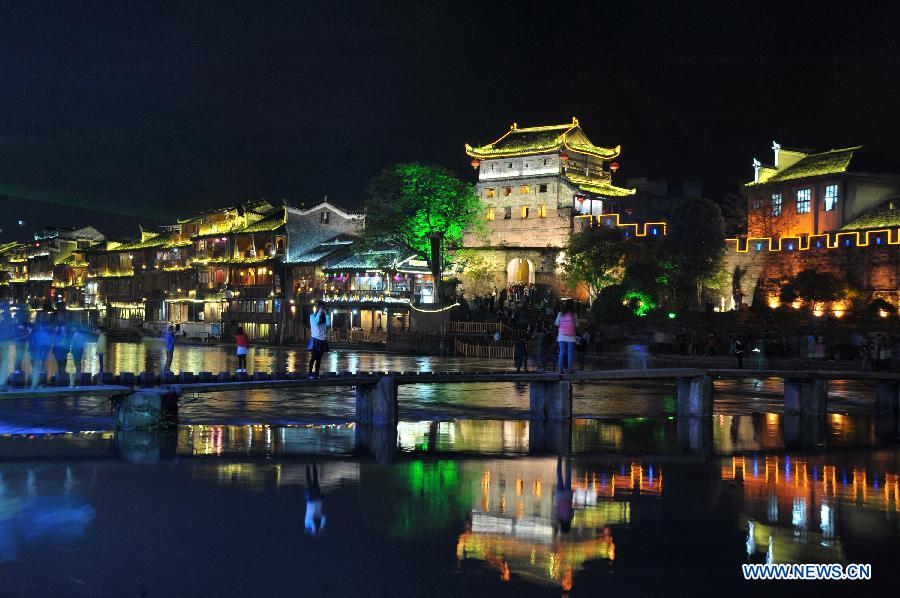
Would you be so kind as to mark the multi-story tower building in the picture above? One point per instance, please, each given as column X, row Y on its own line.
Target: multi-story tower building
column 540, row 184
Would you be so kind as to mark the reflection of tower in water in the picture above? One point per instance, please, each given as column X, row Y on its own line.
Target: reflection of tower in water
column 513, row 526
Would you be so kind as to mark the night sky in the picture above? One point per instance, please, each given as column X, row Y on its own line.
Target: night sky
column 120, row 112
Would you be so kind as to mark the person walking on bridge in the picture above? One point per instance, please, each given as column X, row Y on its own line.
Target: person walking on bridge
column 39, row 346
column 78, row 339
column 170, row 348
column 61, row 348
column 318, row 344
column 243, row 344
column 567, row 323
column 101, row 348
column 7, row 334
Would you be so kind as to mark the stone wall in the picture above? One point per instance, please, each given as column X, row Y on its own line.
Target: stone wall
column 543, row 260
column 875, row 270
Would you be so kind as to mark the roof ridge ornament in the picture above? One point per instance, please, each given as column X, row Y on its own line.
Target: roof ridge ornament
column 574, row 121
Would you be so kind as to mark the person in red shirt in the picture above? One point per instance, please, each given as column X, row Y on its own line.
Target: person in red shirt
column 243, row 342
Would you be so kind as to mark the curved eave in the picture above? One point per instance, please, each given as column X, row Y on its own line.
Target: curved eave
column 603, row 153
column 607, row 191
column 600, row 189
column 483, row 153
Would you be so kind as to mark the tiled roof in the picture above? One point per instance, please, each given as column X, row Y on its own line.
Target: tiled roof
column 824, row 163
column 535, row 140
column 367, row 260
column 599, row 187
column 321, row 251
column 885, row 215
column 265, row 225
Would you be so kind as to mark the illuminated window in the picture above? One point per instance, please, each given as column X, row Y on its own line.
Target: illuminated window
column 507, row 191
column 524, row 211
column 542, row 188
column 490, row 192
column 507, row 213
column 490, row 214
column 803, row 199
column 542, row 211
column 525, row 189
column 757, row 204
column 776, row 204
column 831, row 197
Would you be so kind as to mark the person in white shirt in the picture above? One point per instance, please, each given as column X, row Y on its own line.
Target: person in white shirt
column 318, row 344
column 315, row 519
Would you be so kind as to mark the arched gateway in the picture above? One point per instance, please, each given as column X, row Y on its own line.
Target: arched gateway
column 520, row 271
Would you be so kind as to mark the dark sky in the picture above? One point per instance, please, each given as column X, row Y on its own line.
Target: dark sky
column 144, row 108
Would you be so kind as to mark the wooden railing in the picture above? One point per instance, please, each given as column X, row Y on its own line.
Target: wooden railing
column 366, row 336
column 486, row 328
column 501, row 350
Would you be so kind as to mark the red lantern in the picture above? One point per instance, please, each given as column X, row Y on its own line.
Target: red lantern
column 563, row 156
column 614, row 166
column 475, row 163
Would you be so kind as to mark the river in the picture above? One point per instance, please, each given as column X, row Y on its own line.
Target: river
column 466, row 502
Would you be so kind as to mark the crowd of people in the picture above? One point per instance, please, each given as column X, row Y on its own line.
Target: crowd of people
column 559, row 344
column 43, row 342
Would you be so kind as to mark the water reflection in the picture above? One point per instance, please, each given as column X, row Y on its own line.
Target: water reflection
column 509, row 518
column 38, row 506
column 794, row 509
column 723, row 435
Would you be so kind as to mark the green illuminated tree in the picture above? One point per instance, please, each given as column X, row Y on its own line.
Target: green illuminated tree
column 595, row 258
column 424, row 208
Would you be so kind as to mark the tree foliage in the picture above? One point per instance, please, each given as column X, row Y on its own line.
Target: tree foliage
column 882, row 305
column 595, row 258
column 813, row 287
column 410, row 204
column 695, row 243
column 734, row 213
column 609, row 305
column 477, row 274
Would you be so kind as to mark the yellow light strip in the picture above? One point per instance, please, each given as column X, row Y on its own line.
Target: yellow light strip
column 433, row 311
column 635, row 228
column 828, row 241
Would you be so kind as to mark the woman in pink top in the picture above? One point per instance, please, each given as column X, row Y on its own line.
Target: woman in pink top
column 567, row 323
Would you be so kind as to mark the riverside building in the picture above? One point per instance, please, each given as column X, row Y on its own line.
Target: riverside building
column 540, row 184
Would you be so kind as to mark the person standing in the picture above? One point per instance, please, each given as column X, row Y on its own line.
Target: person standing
column 581, row 342
column 78, row 340
column 243, row 345
column 22, row 334
column 170, row 348
column 598, row 342
column 318, row 344
column 738, row 347
column 60, row 348
column 520, row 352
column 540, row 347
column 101, row 348
column 7, row 334
column 566, row 323
column 39, row 345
